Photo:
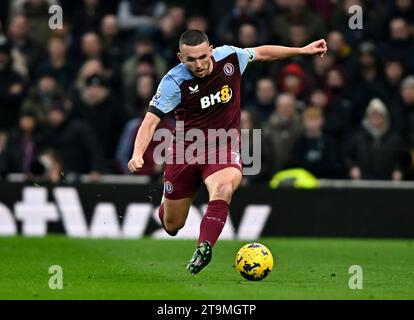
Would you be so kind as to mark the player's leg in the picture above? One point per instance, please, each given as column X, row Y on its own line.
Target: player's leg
column 181, row 182
column 173, row 214
column 221, row 186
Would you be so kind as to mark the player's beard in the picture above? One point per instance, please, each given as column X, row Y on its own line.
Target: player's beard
column 205, row 72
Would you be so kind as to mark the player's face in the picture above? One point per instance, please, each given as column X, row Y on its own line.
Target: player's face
column 197, row 58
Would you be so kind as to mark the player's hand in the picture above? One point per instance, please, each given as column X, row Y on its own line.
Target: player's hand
column 135, row 164
column 318, row 47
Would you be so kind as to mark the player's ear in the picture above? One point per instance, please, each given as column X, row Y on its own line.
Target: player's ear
column 180, row 56
column 211, row 50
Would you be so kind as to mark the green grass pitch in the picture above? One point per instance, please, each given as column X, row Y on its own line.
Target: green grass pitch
column 155, row 269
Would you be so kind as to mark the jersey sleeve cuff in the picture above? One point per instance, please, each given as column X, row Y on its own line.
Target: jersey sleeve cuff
column 252, row 54
column 156, row 111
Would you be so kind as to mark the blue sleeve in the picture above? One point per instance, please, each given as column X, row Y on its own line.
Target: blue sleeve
column 245, row 56
column 168, row 95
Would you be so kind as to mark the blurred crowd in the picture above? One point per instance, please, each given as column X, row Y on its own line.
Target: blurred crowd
column 72, row 99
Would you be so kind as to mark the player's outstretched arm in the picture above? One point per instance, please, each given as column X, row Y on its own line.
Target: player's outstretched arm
column 142, row 140
column 270, row 53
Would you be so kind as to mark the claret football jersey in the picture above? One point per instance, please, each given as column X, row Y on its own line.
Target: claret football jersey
column 206, row 103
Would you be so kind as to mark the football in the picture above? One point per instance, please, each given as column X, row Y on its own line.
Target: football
column 254, row 261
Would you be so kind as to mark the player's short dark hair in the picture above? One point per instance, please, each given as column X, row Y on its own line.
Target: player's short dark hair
column 193, row 38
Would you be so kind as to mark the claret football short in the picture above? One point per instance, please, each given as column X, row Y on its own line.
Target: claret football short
column 183, row 180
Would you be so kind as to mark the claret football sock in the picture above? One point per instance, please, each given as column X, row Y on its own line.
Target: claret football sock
column 161, row 216
column 213, row 221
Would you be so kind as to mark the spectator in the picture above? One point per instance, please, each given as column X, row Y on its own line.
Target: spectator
column 11, row 88
column 74, row 141
column 22, row 145
column 292, row 80
column 369, row 62
column 283, row 129
column 394, row 73
column 96, row 106
column 167, row 38
column 94, row 67
column 366, row 84
column 143, row 47
column 324, row 8
column 198, row 22
column 178, row 16
column 370, row 18
column 264, row 101
column 320, row 68
column 241, row 13
column 145, row 66
column 21, row 42
column 42, row 96
column 19, row 6
column 90, row 68
column 405, row 111
column 316, row 151
column 57, row 63
column 339, row 104
column 339, row 47
column 70, row 41
column 298, row 13
column 298, row 35
column 92, row 48
column 400, row 44
column 247, row 37
column 319, row 99
column 249, row 122
column 337, row 115
column 263, row 13
column 88, row 16
column 112, row 41
column 405, row 118
column 37, row 12
column 143, row 91
column 403, row 9
column 375, row 151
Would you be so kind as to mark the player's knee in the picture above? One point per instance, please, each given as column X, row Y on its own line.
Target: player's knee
column 223, row 191
column 173, row 225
